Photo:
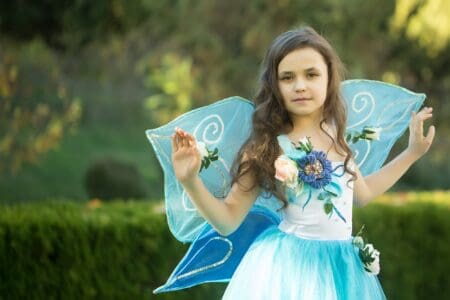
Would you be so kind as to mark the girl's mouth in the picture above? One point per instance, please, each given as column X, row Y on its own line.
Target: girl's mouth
column 301, row 99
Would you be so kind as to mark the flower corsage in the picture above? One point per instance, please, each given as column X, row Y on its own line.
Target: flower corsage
column 311, row 171
column 370, row 256
column 369, row 133
column 207, row 155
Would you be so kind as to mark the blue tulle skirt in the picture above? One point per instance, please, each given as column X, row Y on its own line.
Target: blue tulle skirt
column 283, row 266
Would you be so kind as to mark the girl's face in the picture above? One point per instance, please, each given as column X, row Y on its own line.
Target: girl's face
column 302, row 81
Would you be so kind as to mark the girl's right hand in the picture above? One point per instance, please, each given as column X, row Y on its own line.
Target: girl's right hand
column 186, row 158
column 418, row 143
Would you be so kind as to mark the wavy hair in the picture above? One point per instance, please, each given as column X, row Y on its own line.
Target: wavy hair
column 259, row 152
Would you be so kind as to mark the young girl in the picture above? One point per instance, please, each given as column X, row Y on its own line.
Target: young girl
column 308, row 255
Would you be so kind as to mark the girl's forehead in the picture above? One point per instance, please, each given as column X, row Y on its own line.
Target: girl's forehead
column 302, row 59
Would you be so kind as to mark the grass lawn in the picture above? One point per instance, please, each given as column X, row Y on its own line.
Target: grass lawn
column 60, row 172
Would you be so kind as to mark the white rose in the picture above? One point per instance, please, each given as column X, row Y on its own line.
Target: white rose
column 358, row 241
column 201, row 147
column 374, row 267
column 304, row 141
column 368, row 247
column 373, row 134
column 305, row 144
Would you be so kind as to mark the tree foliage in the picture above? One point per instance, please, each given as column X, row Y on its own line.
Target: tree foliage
column 174, row 85
column 152, row 60
column 69, row 23
column 32, row 119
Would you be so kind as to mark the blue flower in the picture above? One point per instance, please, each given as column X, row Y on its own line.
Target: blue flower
column 315, row 169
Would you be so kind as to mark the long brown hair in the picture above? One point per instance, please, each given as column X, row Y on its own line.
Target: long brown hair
column 259, row 152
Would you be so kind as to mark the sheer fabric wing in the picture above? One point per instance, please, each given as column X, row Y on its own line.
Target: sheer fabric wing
column 377, row 104
column 214, row 258
column 224, row 125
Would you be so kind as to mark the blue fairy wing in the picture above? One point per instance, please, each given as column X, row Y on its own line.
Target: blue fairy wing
column 224, row 125
column 377, row 104
column 214, row 258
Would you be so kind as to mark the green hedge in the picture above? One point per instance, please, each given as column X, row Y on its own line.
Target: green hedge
column 124, row 250
column 72, row 251
column 413, row 240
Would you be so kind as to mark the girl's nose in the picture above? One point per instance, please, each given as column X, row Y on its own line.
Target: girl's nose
column 300, row 85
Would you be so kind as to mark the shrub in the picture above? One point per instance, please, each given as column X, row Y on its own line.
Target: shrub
column 124, row 250
column 110, row 178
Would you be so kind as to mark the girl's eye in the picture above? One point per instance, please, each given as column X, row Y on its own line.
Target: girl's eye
column 311, row 75
column 286, row 78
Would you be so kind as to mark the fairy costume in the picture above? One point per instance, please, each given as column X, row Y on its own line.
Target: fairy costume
column 304, row 251
column 309, row 254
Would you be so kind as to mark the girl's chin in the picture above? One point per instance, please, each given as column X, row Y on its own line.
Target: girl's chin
column 304, row 113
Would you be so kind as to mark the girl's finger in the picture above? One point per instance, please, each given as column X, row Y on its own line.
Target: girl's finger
column 430, row 136
column 426, row 109
column 179, row 140
column 174, row 143
column 425, row 116
column 191, row 140
column 413, row 117
column 415, row 126
column 419, row 127
column 421, row 121
column 184, row 139
column 179, row 131
column 422, row 114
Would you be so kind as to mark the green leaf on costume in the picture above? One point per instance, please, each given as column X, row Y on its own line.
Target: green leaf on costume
column 328, row 207
column 322, row 196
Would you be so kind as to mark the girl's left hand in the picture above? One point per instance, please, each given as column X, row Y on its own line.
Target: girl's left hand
column 418, row 143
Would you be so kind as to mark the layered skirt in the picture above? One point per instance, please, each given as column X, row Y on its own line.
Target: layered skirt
column 284, row 266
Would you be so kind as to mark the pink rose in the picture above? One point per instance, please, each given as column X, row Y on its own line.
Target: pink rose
column 286, row 171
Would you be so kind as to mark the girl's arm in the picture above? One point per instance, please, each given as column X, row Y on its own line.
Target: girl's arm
column 225, row 216
column 369, row 187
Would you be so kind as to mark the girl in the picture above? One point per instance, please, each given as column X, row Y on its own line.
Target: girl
column 308, row 255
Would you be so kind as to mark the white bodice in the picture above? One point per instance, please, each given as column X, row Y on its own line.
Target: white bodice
column 311, row 221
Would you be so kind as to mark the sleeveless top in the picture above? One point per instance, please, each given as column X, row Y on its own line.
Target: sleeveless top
column 310, row 221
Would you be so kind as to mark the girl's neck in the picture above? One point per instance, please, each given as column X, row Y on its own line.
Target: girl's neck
column 306, row 126
column 320, row 140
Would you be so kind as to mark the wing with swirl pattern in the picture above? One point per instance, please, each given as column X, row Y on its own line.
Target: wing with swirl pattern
column 377, row 104
column 224, row 125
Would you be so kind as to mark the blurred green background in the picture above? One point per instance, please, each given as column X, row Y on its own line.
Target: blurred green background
column 80, row 81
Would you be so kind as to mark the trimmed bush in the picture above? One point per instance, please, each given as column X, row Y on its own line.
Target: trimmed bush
column 110, row 178
column 124, row 250
column 119, row 250
column 413, row 240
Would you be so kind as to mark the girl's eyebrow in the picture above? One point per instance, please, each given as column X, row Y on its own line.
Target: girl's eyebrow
column 306, row 70
column 311, row 69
